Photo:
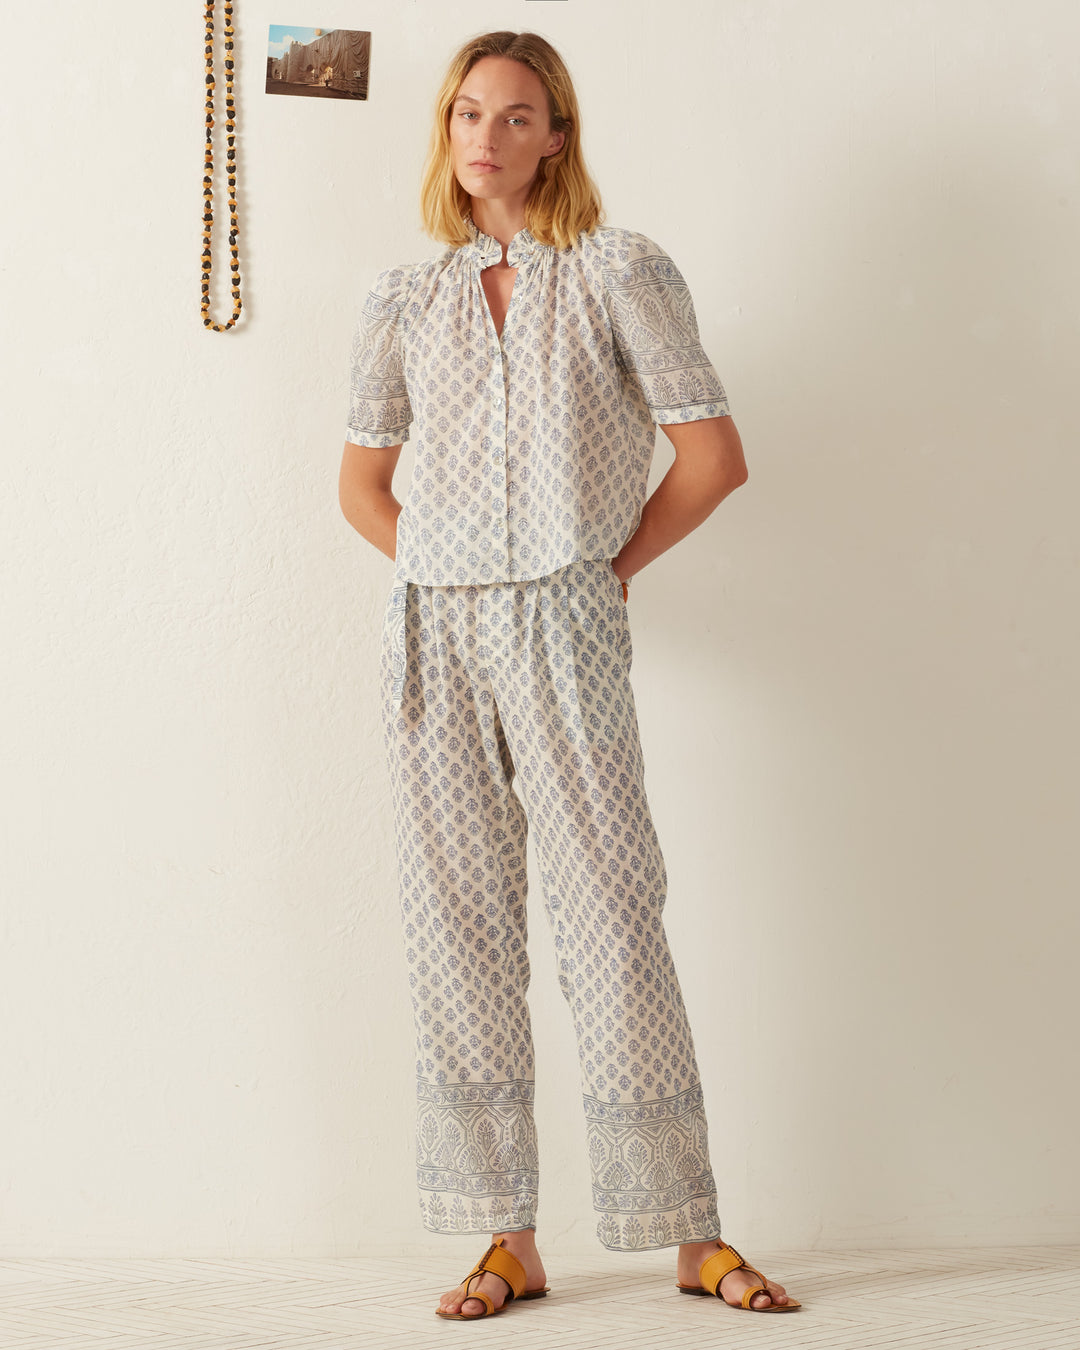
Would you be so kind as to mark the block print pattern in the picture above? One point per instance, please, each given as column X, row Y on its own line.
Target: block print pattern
column 533, row 447
column 531, row 679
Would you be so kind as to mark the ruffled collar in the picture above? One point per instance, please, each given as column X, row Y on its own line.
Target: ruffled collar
column 488, row 250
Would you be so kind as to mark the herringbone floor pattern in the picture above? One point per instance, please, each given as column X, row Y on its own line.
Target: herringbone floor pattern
column 975, row 1299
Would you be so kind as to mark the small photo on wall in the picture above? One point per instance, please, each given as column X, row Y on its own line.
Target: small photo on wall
column 318, row 62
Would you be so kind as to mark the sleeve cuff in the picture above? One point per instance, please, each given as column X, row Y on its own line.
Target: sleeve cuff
column 691, row 412
column 377, row 440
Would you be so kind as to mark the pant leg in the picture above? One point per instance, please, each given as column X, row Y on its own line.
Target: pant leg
column 561, row 679
column 461, row 840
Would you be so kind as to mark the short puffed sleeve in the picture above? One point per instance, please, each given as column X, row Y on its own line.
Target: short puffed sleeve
column 379, row 410
column 656, row 332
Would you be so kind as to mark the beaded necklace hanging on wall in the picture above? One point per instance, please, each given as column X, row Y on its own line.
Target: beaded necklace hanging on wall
column 208, row 169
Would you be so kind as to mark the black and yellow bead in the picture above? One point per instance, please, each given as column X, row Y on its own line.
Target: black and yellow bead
column 208, row 167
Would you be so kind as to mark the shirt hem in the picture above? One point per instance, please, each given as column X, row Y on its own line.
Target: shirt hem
column 402, row 579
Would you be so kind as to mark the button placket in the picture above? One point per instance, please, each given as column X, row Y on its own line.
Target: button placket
column 525, row 254
column 502, row 404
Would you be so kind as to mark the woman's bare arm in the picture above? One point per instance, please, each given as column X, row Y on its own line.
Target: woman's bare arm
column 364, row 493
column 709, row 464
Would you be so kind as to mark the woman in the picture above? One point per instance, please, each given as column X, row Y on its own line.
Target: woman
column 531, row 361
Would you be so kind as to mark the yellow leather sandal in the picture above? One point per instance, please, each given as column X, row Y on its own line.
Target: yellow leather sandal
column 498, row 1261
column 715, row 1267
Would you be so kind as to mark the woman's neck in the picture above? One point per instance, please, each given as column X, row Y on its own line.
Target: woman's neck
column 501, row 220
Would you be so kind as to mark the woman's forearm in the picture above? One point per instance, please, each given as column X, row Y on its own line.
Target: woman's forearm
column 375, row 516
column 684, row 499
column 367, row 501
column 709, row 464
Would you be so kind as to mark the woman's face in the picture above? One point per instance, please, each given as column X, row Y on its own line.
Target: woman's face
column 500, row 129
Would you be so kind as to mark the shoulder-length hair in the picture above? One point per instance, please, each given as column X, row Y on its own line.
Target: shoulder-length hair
column 564, row 199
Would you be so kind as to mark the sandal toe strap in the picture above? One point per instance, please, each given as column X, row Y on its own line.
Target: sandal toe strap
column 749, row 1294
column 479, row 1293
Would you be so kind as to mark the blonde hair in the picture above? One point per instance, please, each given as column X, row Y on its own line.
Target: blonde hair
column 564, row 199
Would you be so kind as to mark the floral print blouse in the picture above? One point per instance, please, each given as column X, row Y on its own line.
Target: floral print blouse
column 532, row 448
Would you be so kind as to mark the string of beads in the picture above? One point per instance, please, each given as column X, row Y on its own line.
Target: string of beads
column 208, row 169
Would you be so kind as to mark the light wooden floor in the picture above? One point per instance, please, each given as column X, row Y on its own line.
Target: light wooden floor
column 973, row 1299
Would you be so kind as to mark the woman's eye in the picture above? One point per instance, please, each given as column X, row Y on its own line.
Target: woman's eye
column 468, row 112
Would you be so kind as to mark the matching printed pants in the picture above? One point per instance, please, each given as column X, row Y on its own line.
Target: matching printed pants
column 527, row 683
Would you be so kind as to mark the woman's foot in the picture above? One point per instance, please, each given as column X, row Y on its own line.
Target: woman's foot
column 521, row 1244
column 692, row 1255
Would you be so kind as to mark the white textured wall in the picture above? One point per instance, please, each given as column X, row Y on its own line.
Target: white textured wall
column 857, row 683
